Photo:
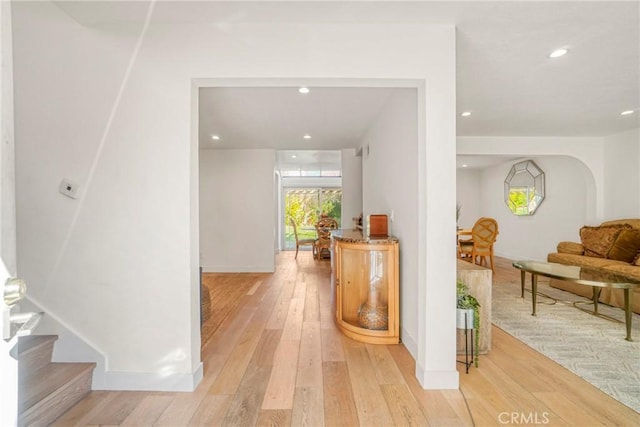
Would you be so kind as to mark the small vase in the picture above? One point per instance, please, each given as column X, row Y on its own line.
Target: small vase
column 372, row 314
column 464, row 318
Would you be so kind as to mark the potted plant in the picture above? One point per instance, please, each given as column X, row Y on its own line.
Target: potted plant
column 466, row 301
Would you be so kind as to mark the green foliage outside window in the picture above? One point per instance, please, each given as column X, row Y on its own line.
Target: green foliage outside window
column 304, row 206
column 332, row 205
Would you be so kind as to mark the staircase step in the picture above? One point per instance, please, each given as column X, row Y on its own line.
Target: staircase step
column 34, row 351
column 48, row 392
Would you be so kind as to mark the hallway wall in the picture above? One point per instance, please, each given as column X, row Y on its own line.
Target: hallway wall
column 112, row 108
column 237, row 214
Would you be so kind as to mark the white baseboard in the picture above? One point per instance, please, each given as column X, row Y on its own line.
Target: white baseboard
column 409, row 343
column 437, row 380
column 238, row 269
column 149, row 381
column 431, row 380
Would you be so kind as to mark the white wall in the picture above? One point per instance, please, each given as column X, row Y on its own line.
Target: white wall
column 588, row 180
column 7, row 149
column 351, row 187
column 8, row 364
column 390, row 181
column 237, row 210
column 559, row 217
column 468, row 188
column 587, row 150
column 118, row 264
column 622, row 179
column 114, row 265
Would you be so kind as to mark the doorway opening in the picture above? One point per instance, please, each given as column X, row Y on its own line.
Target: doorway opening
column 305, row 206
column 311, row 183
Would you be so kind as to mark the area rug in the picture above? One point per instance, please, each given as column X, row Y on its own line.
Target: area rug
column 591, row 347
column 222, row 293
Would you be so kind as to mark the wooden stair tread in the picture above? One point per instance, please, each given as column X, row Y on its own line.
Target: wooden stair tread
column 38, row 385
column 33, row 342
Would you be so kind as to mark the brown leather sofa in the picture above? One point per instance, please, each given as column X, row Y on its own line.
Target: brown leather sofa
column 613, row 246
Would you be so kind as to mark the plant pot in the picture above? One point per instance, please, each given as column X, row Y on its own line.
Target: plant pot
column 462, row 321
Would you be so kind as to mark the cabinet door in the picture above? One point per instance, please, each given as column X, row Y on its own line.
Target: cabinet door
column 365, row 278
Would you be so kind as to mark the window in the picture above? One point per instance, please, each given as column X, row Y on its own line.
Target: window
column 305, row 205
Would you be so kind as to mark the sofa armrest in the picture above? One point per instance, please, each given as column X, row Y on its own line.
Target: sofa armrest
column 570, row 248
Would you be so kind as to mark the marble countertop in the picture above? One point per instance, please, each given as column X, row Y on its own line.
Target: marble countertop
column 356, row 236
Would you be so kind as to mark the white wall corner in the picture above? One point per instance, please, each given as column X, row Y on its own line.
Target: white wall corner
column 409, row 342
column 437, row 380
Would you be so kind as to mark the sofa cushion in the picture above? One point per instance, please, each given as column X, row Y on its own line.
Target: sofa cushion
column 633, row 222
column 626, row 246
column 583, row 261
column 597, row 241
column 570, row 248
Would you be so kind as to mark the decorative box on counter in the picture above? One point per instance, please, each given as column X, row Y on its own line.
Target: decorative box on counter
column 378, row 226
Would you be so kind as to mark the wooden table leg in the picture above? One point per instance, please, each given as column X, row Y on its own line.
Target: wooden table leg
column 522, row 273
column 628, row 295
column 595, row 296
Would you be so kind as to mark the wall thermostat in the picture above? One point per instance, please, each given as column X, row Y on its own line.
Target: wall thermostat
column 69, row 188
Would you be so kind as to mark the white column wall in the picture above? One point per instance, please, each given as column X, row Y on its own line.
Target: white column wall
column 390, row 173
column 116, row 264
column 237, row 210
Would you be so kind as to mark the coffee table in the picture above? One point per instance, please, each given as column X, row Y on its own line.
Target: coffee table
column 594, row 277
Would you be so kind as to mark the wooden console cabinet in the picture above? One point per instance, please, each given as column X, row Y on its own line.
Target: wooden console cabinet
column 365, row 287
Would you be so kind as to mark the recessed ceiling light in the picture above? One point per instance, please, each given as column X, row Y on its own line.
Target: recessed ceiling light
column 558, row 53
column 464, row 166
column 307, row 136
column 293, row 156
column 215, row 137
column 627, row 112
column 303, row 89
column 465, row 113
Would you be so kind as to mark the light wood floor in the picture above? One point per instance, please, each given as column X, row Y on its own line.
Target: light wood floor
column 279, row 361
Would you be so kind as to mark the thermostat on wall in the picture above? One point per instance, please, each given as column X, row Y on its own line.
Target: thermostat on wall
column 69, row 188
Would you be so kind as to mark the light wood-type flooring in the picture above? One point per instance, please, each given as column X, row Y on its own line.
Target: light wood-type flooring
column 278, row 360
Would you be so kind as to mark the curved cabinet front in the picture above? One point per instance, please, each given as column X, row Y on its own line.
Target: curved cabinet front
column 365, row 280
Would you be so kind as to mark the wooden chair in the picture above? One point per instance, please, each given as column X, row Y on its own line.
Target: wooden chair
column 480, row 246
column 324, row 227
column 303, row 242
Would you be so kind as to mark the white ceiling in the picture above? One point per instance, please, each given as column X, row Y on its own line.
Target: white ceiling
column 279, row 117
column 503, row 74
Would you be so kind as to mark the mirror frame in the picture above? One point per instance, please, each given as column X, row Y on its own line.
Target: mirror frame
column 530, row 194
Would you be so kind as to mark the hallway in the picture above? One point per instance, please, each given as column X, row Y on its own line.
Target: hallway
column 280, row 361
